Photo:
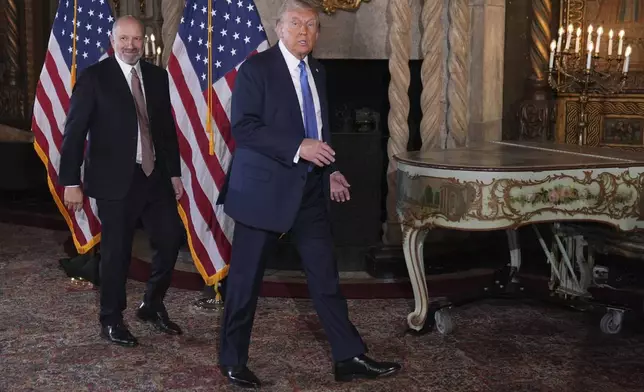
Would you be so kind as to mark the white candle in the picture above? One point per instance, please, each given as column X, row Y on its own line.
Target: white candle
column 147, row 50
column 553, row 46
column 628, row 58
column 610, row 43
column 590, row 55
column 590, row 34
column 620, row 43
column 561, row 31
column 159, row 55
column 153, row 45
column 578, row 40
column 600, row 31
column 569, row 37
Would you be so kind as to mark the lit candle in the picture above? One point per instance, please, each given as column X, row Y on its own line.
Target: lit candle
column 628, row 58
column 569, row 37
column 147, row 50
column 600, row 31
column 158, row 56
column 561, row 31
column 153, row 45
column 590, row 34
column 610, row 43
column 590, row 55
column 578, row 40
column 620, row 43
column 553, row 46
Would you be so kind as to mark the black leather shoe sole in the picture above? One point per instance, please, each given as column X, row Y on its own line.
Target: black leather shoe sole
column 356, row 376
column 243, row 384
column 124, row 343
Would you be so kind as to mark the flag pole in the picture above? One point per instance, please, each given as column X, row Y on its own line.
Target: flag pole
column 73, row 72
column 211, row 146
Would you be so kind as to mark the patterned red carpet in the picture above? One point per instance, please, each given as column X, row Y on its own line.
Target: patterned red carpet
column 49, row 341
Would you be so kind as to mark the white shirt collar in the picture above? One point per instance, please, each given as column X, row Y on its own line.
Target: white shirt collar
column 291, row 61
column 127, row 68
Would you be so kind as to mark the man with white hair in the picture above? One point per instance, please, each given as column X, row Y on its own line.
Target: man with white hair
column 281, row 179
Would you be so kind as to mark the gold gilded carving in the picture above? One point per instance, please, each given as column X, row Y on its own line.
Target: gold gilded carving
column 615, row 123
column 593, row 112
column 425, row 200
column 573, row 12
column 541, row 35
column 330, row 6
column 142, row 7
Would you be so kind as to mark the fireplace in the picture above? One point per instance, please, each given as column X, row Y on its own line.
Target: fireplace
column 358, row 109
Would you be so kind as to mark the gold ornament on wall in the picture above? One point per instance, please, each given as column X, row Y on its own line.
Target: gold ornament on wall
column 330, row 6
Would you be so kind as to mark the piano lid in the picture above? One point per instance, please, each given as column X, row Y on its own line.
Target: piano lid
column 520, row 156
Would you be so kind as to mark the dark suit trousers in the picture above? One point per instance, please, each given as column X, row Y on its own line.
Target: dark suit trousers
column 150, row 200
column 312, row 234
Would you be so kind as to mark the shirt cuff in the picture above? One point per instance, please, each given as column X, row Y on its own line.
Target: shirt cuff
column 296, row 159
column 72, row 186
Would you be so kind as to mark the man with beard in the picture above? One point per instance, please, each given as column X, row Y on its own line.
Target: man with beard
column 131, row 168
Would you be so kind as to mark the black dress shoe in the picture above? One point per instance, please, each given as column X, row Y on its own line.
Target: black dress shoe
column 159, row 320
column 363, row 367
column 240, row 376
column 119, row 334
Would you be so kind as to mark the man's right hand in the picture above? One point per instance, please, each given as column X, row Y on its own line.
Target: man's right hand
column 317, row 152
column 73, row 198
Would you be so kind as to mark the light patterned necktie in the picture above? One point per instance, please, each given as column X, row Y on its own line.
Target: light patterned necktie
column 147, row 156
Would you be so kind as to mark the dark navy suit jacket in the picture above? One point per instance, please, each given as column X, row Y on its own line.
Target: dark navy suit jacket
column 264, row 186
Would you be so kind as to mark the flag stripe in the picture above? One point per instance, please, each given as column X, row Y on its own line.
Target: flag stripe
column 52, row 101
column 237, row 33
column 194, row 168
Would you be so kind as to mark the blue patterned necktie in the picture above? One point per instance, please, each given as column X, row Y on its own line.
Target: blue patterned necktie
column 310, row 122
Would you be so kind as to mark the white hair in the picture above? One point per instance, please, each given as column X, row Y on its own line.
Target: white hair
column 292, row 5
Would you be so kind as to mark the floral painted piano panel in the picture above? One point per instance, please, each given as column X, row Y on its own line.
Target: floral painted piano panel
column 505, row 185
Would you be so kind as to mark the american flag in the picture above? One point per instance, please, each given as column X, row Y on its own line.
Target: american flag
column 236, row 32
column 90, row 42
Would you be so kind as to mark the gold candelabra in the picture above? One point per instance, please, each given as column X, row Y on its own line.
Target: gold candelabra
column 586, row 72
column 151, row 50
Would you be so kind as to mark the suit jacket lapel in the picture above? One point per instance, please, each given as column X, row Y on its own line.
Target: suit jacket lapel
column 283, row 74
column 122, row 90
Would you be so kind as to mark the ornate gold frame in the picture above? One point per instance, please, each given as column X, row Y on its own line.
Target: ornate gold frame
column 330, row 6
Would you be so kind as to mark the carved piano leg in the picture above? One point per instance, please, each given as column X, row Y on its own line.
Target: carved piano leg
column 413, row 239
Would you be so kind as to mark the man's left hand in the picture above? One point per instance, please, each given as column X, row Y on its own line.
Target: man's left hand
column 339, row 187
column 177, row 185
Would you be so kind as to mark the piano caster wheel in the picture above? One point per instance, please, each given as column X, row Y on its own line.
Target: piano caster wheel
column 611, row 323
column 444, row 323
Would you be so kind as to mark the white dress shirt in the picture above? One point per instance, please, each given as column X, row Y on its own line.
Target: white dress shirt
column 293, row 64
column 127, row 72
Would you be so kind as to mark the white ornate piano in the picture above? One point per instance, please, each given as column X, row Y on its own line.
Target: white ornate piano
column 506, row 185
